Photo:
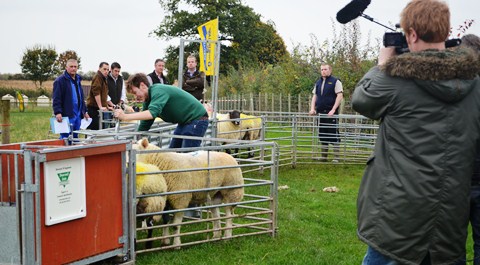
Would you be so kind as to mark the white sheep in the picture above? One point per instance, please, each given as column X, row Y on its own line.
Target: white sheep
column 251, row 127
column 150, row 183
column 193, row 180
column 229, row 126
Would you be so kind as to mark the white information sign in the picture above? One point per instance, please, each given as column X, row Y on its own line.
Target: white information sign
column 65, row 196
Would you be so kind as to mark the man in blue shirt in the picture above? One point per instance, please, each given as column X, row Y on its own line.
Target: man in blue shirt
column 68, row 98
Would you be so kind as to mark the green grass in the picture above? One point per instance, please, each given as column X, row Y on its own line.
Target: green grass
column 31, row 125
column 314, row 227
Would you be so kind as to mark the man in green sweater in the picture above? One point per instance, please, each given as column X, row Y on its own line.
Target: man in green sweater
column 169, row 103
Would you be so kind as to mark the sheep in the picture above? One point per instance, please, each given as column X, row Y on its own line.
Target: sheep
column 150, row 183
column 251, row 127
column 229, row 130
column 226, row 130
column 197, row 180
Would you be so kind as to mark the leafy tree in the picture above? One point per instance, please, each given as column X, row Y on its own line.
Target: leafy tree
column 88, row 75
column 125, row 75
column 348, row 58
column 38, row 63
column 246, row 40
column 297, row 74
column 64, row 57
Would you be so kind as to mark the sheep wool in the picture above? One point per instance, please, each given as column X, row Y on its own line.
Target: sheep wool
column 149, row 184
column 227, row 129
column 251, row 127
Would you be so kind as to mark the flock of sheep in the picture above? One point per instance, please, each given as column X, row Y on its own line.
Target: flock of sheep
column 223, row 171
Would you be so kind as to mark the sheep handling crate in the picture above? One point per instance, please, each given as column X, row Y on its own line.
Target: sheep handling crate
column 64, row 204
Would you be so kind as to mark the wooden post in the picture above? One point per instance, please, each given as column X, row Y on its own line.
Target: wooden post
column 289, row 103
column 280, row 100
column 252, row 108
column 300, row 103
column 5, row 121
column 273, row 103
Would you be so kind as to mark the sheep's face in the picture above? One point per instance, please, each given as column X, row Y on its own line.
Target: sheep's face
column 143, row 144
column 151, row 204
column 235, row 116
column 142, row 205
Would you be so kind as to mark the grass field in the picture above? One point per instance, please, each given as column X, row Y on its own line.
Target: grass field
column 314, row 227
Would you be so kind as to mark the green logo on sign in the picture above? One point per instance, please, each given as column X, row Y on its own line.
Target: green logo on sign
column 63, row 178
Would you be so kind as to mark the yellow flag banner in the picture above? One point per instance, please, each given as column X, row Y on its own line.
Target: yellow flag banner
column 21, row 105
column 208, row 31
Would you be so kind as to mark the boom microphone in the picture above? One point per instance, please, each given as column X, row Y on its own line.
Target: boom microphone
column 352, row 10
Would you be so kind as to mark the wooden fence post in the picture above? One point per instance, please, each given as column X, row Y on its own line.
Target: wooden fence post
column 289, row 102
column 299, row 103
column 5, row 121
column 252, row 108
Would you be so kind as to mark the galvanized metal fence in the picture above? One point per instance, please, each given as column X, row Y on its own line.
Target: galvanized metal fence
column 298, row 138
column 256, row 214
column 270, row 102
column 297, row 135
column 16, row 185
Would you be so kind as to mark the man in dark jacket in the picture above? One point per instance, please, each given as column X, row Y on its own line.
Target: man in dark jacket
column 157, row 76
column 473, row 42
column 194, row 80
column 116, row 86
column 412, row 205
column 97, row 98
column 68, row 97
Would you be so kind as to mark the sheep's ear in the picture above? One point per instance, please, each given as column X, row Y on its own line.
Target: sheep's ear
column 144, row 142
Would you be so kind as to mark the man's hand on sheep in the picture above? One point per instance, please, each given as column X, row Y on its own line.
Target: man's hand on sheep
column 143, row 115
column 119, row 114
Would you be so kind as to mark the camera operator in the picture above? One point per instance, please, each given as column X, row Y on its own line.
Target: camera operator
column 412, row 205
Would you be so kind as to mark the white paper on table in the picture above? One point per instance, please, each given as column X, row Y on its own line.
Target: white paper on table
column 84, row 123
column 60, row 127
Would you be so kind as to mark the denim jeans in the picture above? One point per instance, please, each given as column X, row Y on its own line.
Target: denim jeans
column 74, row 126
column 475, row 221
column 107, row 120
column 374, row 257
column 194, row 128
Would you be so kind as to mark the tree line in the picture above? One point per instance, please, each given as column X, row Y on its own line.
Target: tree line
column 254, row 58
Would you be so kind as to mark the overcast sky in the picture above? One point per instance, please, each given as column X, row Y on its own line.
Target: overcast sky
column 119, row 30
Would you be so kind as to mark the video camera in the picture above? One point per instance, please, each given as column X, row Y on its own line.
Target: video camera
column 394, row 38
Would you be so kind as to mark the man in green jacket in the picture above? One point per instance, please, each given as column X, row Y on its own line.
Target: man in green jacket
column 169, row 103
column 412, row 205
